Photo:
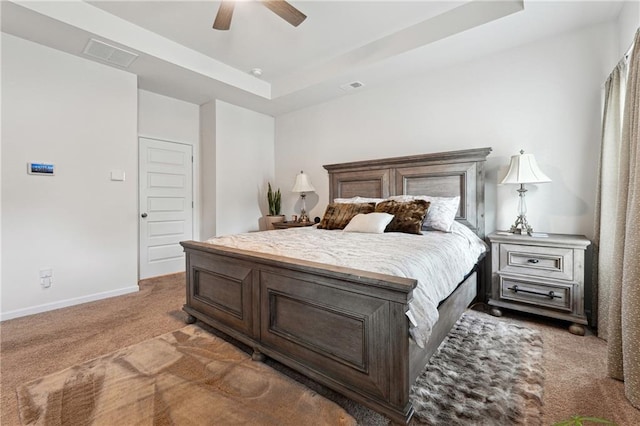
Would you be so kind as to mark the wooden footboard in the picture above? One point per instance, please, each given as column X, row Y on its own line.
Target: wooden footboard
column 342, row 327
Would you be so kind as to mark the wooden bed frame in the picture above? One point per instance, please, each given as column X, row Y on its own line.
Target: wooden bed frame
column 342, row 327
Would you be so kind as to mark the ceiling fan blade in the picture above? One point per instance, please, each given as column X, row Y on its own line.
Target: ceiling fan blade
column 285, row 11
column 225, row 12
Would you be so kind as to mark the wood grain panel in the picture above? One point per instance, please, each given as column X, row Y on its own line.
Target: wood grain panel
column 314, row 326
column 536, row 292
column 446, row 174
column 329, row 312
column 434, row 185
column 546, row 262
column 370, row 183
column 442, row 180
column 362, row 188
column 223, row 291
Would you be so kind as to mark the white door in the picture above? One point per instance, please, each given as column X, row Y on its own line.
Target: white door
column 166, row 205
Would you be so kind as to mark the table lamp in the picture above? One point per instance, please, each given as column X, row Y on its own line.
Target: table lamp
column 303, row 185
column 523, row 169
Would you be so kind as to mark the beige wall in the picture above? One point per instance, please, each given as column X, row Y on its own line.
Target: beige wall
column 208, row 170
column 237, row 161
column 244, row 164
column 81, row 116
column 627, row 24
column 543, row 97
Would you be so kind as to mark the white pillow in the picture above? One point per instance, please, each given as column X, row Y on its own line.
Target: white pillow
column 442, row 210
column 372, row 223
column 356, row 200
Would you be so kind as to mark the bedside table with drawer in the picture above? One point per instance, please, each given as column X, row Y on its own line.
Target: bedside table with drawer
column 539, row 275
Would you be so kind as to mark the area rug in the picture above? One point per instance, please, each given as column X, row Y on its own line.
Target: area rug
column 188, row 377
column 486, row 372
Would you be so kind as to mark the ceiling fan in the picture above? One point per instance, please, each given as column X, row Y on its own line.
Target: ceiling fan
column 279, row 7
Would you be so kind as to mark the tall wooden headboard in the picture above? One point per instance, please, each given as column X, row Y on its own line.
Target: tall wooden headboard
column 444, row 174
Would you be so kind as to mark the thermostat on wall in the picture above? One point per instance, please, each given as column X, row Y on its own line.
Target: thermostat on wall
column 40, row 169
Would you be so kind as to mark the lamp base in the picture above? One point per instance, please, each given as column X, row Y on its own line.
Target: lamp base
column 304, row 218
column 521, row 226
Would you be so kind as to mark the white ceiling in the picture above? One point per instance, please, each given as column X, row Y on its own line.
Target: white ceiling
column 374, row 42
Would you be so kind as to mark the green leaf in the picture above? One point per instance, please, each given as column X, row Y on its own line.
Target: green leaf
column 578, row 421
column 274, row 199
column 597, row 420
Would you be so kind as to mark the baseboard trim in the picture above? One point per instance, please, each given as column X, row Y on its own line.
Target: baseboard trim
column 17, row 313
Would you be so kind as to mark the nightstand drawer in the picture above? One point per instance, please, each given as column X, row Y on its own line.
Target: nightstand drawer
column 546, row 262
column 545, row 295
column 540, row 275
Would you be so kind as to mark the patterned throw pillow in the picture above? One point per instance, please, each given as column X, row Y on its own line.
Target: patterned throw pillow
column 407, row 216
column 442, row 211
column 338, row 215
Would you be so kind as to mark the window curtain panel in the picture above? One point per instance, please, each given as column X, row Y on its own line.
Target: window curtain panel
column 619, row 252
column 607, row 193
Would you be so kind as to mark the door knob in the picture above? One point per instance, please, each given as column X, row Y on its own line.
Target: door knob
column 143, row 215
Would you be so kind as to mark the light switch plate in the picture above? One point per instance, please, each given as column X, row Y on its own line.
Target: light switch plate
column 117, row 175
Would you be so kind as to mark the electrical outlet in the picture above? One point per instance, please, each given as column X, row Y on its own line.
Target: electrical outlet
column 46, row 277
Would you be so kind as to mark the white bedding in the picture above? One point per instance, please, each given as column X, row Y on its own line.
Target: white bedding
column 437, row 260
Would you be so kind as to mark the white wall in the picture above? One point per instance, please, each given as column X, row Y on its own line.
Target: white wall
column 81, row 116
column 627, row 24
column 208, row 170
column 543, row 97
column 244, row 163
column 168, row 119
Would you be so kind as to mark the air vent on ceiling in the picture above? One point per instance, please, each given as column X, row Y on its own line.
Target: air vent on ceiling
column 111, row 54
column 351, row 86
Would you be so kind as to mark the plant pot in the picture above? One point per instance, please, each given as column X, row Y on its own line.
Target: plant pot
column 270, row 220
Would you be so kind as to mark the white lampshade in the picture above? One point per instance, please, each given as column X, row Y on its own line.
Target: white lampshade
column 524, row 169
column 303, row 184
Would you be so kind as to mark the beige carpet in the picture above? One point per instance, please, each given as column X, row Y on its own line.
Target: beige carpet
column 485, row 372
column 179, row 378
column 576, row 381
column 32, row 347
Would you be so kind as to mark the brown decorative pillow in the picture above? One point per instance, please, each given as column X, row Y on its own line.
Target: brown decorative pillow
column 407, row 216
column 338, row 215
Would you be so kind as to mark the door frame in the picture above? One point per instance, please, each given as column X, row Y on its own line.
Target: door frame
column 195, row 188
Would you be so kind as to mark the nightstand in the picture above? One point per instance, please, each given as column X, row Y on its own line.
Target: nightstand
column 287, row 225
column 539, row 275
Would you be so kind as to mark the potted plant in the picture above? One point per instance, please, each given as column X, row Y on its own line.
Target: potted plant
column 274, row 199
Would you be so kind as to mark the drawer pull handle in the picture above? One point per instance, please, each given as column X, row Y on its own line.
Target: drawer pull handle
column 550, row 294
column 533, row 260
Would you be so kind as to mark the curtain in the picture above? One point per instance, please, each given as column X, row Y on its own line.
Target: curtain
column 607, row 193
column 619, row 257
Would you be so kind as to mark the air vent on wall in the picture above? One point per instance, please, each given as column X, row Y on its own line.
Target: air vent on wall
column 351, row 86
column 111, row 54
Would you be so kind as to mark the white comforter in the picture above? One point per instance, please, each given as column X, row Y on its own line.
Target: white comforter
column 437, row 260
